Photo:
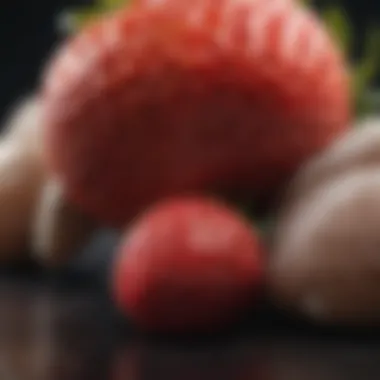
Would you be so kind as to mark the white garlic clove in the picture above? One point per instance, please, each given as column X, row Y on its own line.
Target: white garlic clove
column 360, row 147
column 24, row 124
column 21, row 177
column 20, row 181
column 59, row 229
column 325, row 261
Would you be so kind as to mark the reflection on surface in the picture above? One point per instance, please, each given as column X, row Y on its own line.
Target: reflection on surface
column 47, row 335
column 143, row 361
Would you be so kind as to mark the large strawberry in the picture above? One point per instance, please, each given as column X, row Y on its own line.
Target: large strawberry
column 214, row 95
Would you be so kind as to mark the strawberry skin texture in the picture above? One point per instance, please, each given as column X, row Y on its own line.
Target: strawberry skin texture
column 187, row 265
column 221, row 96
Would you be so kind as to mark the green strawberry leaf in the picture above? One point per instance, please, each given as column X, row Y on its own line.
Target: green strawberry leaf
column 75, row 19
column 111, row 4
column 367, row 68
column 72, row 21
column 364, row 71
column 339, row 27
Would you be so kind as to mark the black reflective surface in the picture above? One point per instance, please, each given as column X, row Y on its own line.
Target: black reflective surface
column 51, row 331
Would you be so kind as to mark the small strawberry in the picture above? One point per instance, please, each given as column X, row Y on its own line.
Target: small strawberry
column 187, row 264
column 224, row 96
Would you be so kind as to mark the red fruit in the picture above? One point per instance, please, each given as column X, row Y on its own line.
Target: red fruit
column 187, row 264
column 204, row 95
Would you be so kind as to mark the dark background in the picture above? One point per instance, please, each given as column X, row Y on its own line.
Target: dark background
column 28, row 33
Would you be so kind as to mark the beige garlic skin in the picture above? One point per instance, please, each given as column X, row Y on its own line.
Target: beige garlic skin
column 359, row 148
column 21, row 178
column 326, row 255
column 59, row 228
